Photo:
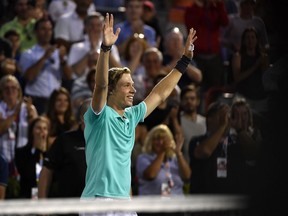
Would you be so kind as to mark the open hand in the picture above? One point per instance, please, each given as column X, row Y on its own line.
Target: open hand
column 109, row 38
column 190, row 41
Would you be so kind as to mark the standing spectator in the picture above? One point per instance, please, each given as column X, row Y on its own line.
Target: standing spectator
column 214, row 156
column 173, row 48
column 166, row 113
column 65, row 26
column 7, row 63
column 82, row 89
column 248, row 67
column 83, row 55
column 38, row 9
column 57, row 8
column 111, row 120
column 134, row 24
column 44, row 66
column 23, row 23
column 29, row 159
column 4, row 173
column 144, row 82
column 64, row 164
column 132, row 57
column 150, row 18
column 208, row 17
column 15, row 115
column 161, row 168
column 249, row 137
column 192, row 123
column 232, row 34
column 60, row 113
column 14, row 38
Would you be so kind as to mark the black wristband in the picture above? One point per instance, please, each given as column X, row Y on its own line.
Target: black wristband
column 105, row 48
column 182, row 64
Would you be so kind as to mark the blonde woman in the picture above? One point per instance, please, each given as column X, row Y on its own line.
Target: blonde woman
column 16, row 113
column 161, row 168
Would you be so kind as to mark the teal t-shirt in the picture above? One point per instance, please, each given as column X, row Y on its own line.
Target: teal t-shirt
column 109, row 143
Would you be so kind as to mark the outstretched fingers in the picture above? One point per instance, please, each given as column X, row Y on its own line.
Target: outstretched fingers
column 189, row 46
column 111, row 20
column 192, row 36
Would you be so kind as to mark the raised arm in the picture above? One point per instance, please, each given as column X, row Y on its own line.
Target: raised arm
column 164, row 88
column 100, row 91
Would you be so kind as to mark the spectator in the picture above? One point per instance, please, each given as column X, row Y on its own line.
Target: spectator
column 60, row 113
column 248, row 67
column 152, row 61
column 173, row 47
column 16, row 114
column 150, row 18
column 64, row 164
column 38, row 9
column 44, row 66
column 57, row 8
column 83, row 55
column 132, row 57
column 161, row 168
column 23, row 23
column 192, row 123
column 239, row 22
column 64, row 31
column 214, row 156
column 29, row 159
column 134, row 24
column 14, row 38
column 7, row 63
column 4, row 173
column 208, row 17
column 249, row 137
column 82, row 89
